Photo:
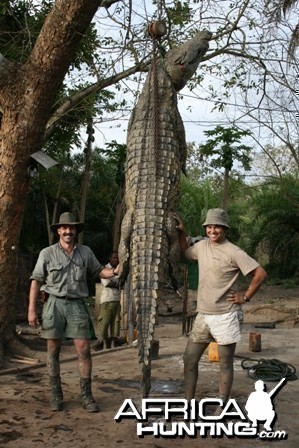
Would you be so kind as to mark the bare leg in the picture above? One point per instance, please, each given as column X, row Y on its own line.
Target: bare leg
column 53, row 352
column 192, row 356
column 54, row 347
column 84, row 364
column 82, row 347
column 226, row 359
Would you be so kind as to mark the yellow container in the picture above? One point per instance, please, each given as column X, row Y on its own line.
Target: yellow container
column 213, row 353
column 135, row 335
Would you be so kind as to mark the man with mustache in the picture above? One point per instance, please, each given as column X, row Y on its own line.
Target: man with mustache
column 61, row 275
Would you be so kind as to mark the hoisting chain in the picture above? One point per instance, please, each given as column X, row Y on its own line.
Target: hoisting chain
column 156, row 30
column 156, row 112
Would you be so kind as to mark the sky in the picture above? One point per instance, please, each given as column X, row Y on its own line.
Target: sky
column 197, row 113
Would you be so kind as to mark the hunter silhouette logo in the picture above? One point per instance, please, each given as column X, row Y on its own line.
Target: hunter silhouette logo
column 259, row 405
column 178, row 417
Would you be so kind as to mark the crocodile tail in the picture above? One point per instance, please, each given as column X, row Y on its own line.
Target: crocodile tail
column 146, row 304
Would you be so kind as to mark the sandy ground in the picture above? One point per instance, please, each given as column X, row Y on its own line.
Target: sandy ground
column 27, row 421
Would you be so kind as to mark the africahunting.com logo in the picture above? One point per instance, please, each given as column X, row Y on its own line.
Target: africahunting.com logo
column 171, row 418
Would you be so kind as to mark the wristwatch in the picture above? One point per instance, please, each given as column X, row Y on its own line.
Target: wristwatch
column 246, row 299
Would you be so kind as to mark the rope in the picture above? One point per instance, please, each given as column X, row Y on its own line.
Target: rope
column 269, row 369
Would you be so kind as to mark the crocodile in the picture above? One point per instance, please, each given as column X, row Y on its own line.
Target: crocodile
column 149, row 251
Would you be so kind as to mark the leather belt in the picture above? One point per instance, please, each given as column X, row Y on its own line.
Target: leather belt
column 68, row 298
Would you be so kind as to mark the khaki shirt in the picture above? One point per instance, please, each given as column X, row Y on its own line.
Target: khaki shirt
column 62, row 275
column 219, row 267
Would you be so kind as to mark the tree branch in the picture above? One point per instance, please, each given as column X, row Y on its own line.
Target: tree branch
column 106, row 3
column 6, row 69
column 79, row 96
column 67, row 22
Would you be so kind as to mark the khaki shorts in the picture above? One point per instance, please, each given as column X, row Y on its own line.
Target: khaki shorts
column 223, row 328
column 65, row 319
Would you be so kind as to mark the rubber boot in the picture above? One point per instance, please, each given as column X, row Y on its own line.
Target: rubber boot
column 87, row 399
column 97, row 345
column 57, row 394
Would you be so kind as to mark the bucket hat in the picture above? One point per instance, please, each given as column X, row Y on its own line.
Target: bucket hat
column 67, row 219
column 216, row 216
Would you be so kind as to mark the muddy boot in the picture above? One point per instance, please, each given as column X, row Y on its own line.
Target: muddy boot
column 87, row 399
column 57, row 394
column 97, row 345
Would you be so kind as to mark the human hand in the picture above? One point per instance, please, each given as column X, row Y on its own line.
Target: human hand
column 116, row 270
column 235, row 297
column 180, row 225
column 33, row 318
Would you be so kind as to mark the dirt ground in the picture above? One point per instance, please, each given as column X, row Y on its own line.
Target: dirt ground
column 27, row 421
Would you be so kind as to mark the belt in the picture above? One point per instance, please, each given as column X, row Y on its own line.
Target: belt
column 68, row 298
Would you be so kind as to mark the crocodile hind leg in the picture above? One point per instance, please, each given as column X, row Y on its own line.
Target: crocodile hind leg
column 174, row 249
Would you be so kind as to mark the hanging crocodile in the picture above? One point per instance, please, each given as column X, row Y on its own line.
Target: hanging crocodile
column 156, row 153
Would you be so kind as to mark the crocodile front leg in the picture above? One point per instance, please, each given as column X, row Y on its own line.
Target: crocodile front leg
column 174, row 249
column 124, row 246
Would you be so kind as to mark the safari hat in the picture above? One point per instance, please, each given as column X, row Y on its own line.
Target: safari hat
column 216, row 216
column 67, row 219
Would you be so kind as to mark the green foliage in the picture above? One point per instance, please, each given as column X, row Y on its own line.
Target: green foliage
column 21, row 23
column 250, row 226
column 34, row 234
column 117, row 153
column 196, row 199
column 67, row 134
column 263, row 219
column 179, row 13
column 270, row 225
column 223, row 147
column 99, row 215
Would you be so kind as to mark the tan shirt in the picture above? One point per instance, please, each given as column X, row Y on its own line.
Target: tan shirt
column 110, row 291
column 219, row 267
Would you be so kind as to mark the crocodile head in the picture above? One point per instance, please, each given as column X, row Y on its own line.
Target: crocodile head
column 181, row 62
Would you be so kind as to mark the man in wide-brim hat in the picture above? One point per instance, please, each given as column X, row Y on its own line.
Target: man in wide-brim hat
column 219, row 299
column 67, row 219
column 61, row 274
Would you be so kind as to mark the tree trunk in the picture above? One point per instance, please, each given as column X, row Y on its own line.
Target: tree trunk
column 224, row 200
column 55, row 208
column 27, row 93
column 86, row 176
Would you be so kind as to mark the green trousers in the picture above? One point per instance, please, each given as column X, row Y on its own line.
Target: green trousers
column 109, row 318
